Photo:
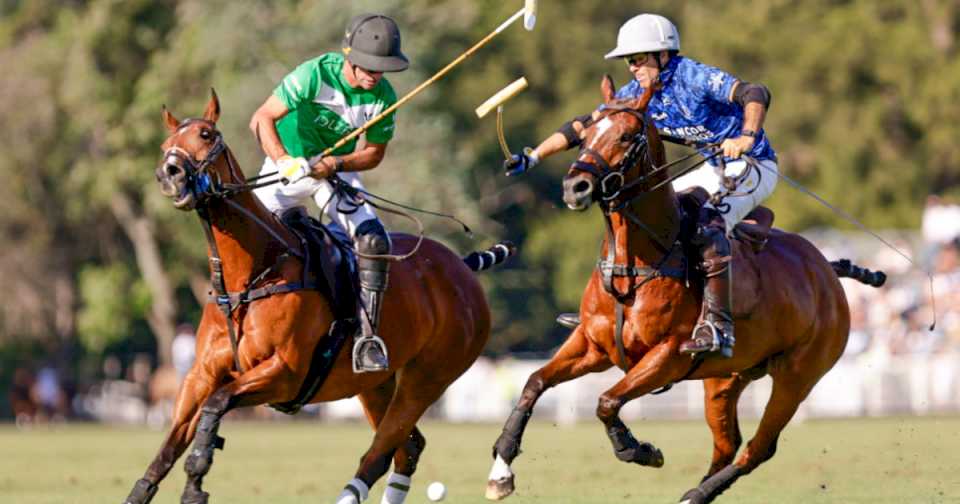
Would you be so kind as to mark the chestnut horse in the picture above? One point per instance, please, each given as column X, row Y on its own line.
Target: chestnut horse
column 436, row 322
column 795, row 333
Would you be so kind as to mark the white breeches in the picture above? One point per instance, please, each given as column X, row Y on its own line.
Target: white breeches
column 279, row 197
column 757, row 186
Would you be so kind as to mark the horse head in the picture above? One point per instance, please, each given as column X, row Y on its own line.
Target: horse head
column 190, row 172
column 618, row 149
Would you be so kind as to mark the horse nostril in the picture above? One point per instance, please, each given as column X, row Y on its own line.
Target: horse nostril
column 172, row 170
column 582, row 187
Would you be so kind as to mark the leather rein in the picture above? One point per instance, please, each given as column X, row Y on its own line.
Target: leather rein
column 614, row 198
column 206, row 186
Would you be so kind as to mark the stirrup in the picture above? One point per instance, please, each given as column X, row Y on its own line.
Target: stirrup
column 358, row 346
column 719, row 342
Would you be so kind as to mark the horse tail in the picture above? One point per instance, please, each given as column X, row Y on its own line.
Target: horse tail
column 846, row 269
column 486, row 259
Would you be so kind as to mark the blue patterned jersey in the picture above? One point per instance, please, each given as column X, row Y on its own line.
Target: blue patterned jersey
column 694, row 104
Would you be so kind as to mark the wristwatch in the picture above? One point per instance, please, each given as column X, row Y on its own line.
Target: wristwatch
column 749, row 133
column 338, row 164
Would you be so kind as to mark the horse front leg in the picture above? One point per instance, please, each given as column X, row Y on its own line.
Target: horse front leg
column 575, row 358
column 271, row 380
column 195, row 390
column 659, row 367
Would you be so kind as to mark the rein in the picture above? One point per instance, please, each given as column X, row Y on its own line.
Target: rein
column 612, row 187
column 205, row 188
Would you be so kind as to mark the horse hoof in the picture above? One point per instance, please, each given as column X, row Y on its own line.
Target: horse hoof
column 194, row 497
column 499, row 489
column 655, row 457
column 694, row 496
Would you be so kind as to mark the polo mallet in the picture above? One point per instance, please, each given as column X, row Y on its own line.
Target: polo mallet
column 498, row 100
column 529, row 14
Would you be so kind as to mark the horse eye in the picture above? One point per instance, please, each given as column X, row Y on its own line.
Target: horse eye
column 206, row 134
column 626, row 138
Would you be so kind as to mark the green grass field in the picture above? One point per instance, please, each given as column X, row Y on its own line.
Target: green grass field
column 906, row 460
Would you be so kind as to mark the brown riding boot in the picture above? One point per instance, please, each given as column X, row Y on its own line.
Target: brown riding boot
column 714, row 330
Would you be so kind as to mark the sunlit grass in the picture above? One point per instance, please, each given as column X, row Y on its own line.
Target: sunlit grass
column 878, row 460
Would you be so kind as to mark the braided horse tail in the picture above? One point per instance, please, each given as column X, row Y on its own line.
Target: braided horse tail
column 486, row 259
column 846, row 269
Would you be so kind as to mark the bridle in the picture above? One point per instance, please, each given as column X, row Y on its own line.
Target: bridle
column 612, row 178
column 207, row 187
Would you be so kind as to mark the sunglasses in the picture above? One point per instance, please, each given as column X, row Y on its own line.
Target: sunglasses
column 636, row 59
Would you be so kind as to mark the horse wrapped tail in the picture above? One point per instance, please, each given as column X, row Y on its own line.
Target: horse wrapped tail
column 846, row 269
column 486, row 259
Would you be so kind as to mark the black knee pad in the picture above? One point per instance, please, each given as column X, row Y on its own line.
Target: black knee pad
column 372, row 238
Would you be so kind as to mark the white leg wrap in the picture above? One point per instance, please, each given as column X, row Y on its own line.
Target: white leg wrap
column 500, row 470
column 355, row 492
column 397, row 488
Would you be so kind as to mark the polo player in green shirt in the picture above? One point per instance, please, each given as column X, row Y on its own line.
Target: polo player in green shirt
column 317, row 104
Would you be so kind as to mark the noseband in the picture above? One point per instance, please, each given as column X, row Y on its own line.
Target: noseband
column 202, row 183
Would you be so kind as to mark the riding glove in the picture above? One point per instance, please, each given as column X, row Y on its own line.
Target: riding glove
column 520, row 163
column 292, row 169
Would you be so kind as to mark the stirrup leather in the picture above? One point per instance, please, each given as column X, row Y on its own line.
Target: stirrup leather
column 358, row 345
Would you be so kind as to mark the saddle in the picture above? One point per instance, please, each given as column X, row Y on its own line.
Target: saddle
column 328, row 257
column 749, row 239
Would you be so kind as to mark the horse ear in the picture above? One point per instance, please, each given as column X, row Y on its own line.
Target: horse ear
column 171, row 122
column 644, row 100
column 212, row 113
column 606, row 87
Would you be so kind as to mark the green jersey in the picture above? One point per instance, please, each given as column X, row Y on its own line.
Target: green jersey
column 324, row 108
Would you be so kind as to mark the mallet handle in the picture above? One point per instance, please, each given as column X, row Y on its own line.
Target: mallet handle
column 466, row 54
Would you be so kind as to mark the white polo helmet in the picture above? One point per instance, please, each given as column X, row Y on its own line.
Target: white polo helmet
column 646, row 33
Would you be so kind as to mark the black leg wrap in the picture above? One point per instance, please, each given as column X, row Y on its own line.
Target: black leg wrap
column 201, row 457
column 627, row 449
column 142, row 493
column 713, row 486
column 508, row 444
column 414, row 446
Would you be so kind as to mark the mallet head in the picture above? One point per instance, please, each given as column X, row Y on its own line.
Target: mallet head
column 529, row 14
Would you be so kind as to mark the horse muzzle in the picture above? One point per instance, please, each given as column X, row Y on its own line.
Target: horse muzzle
column 578, row 191
column 174, row 184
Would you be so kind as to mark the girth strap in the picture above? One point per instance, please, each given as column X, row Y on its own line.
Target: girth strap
column 234, row 300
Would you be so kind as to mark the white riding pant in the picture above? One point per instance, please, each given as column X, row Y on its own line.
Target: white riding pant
column 752, row 190
column 278, row 197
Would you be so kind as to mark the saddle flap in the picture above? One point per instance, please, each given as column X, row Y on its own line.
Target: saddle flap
column 754, row 229
column 328, row 259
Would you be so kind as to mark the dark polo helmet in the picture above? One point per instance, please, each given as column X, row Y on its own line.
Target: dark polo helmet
column 372, row 42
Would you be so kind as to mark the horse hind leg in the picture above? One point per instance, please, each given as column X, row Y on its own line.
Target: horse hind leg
column 196, row 389
column 789, row 389
column 417, row 388
column 375, row 403
column 720, row 400
column 575, row 358
column 268, row 381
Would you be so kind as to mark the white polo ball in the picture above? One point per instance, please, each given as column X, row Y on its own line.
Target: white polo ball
column 436, row 491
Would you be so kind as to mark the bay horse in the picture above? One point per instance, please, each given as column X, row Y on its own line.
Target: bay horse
column 791, row 313
column 436, row 322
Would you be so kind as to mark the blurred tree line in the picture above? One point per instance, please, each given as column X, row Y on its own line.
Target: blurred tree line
column 95, row 261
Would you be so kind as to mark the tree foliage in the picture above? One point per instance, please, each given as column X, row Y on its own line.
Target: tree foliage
column 863, row 113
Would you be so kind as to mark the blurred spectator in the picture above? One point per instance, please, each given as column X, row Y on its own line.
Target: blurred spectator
column 941, row 221
column 183, row 349
column 21, row 399
column 48, row 395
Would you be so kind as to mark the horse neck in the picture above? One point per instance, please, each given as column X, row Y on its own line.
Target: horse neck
column 659, row 211
column 243, row 242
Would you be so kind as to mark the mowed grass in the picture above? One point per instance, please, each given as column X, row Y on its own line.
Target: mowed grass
column 904, row 460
